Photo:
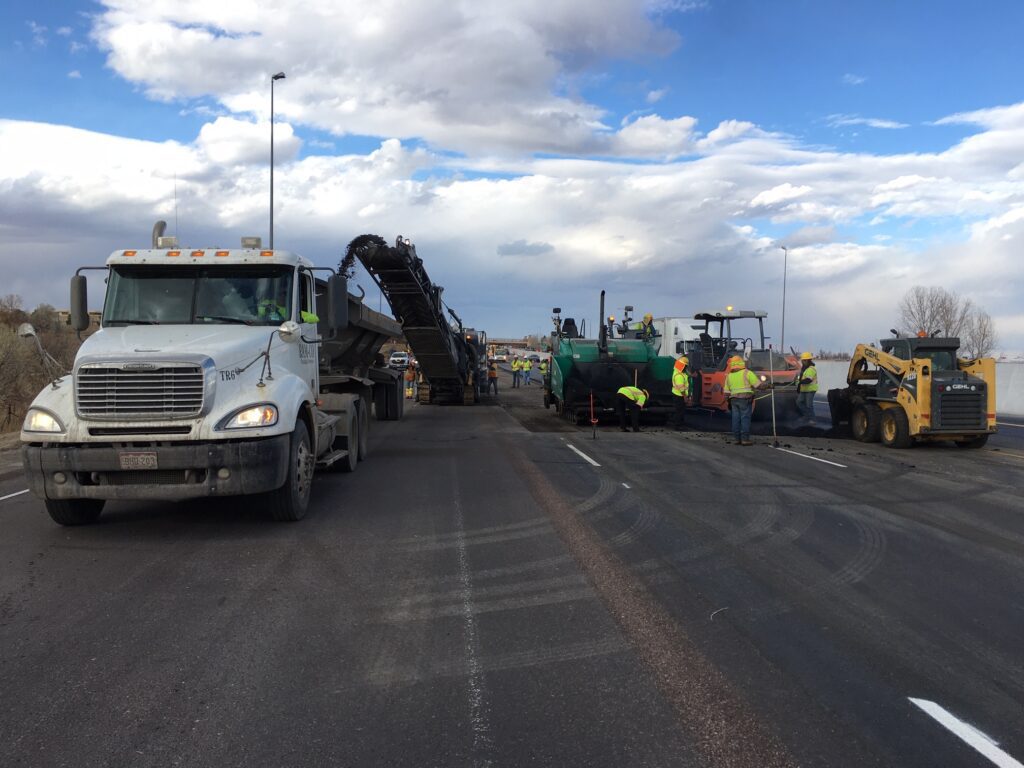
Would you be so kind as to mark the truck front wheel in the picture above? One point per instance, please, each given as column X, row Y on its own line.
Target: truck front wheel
column 75, row 511
column 290, row 502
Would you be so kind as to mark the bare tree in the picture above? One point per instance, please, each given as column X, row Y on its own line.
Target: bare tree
column 980, row 339
column 934, row 309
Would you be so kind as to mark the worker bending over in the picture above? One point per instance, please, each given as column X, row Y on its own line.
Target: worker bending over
column 807, row 386
column 632, row 399
column 680, row 391
column 739, row 388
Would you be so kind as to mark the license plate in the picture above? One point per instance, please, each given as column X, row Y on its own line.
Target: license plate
column 146, row 460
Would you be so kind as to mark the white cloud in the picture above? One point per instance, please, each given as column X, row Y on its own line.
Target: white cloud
column 653, row 97
column 38, row 31
column 469, row 77
column 74, row 74
column 64, row 31
column 852, row 79
column 871, row 122
column 781, row 194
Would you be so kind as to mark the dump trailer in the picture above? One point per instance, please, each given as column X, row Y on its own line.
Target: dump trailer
column 216, row 372
column 723, row 334
column 916, row 389
column 585, row 374
column 452, row 360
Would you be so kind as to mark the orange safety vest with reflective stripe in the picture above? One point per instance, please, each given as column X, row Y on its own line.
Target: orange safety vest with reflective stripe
column 741, row 383
column 680, row 383
column 635, row 394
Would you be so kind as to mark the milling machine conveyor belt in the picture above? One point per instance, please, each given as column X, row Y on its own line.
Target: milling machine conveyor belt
column 416, row 302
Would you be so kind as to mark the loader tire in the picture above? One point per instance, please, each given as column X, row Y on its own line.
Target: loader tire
column 896, row 428
column 866, row 423
column 974, row 442
column 290, row 502
column 74, row 511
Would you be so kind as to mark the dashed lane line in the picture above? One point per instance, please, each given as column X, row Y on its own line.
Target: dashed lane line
column 812, row 458
column 583, row 455
column 12, row 495
column 1008, row 424
column 983, row 743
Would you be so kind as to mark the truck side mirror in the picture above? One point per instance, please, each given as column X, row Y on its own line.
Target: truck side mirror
column 679, row 347
column 337, row 302
column 79, row 303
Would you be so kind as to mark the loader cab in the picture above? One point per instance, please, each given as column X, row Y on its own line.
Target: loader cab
column 731, row 332
column 941, row 351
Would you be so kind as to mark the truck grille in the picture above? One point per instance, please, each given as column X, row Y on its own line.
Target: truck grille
column 961, row 410
column 166, row 392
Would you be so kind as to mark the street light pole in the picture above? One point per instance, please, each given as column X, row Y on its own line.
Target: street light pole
column 785, row 264
column 278, row 76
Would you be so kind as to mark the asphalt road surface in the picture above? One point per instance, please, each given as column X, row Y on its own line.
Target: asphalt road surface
column 494, row 587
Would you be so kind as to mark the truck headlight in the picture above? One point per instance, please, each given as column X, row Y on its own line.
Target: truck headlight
column 251, row 417
column 38, row 420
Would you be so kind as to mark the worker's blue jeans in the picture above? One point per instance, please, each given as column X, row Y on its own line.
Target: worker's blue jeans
column 805, row 404
column 741, row 408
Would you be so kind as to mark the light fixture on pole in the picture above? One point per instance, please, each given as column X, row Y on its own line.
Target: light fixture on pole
column 785, row 264
column 278, row 76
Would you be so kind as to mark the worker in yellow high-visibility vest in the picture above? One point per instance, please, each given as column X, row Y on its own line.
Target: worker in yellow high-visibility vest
column 516, row 368
column 632, row 399
column 527, row 369
column 680, row 391
column 739, row 388
column 807, row 386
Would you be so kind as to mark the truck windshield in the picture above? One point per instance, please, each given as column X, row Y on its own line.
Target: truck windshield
column 187, row 295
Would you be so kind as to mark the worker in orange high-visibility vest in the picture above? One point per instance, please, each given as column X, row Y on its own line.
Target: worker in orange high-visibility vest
column 630, row 399
column 739, row 388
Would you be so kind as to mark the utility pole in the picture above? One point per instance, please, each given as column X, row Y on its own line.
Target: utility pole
column 273, row 78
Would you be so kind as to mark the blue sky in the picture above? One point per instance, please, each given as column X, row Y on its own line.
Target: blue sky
column 627, row 135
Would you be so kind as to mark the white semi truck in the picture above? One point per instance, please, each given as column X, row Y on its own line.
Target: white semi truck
column 216, row 372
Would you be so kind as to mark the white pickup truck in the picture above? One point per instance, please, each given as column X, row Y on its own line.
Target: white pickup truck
column 216, row 372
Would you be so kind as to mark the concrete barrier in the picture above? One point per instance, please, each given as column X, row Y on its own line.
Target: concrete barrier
column 1009, row 384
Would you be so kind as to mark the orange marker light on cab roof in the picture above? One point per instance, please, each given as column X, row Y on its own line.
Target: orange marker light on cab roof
column 266, row 253
column 129, row 253
column 223, row 253
column 174, row 253
column 194, row 254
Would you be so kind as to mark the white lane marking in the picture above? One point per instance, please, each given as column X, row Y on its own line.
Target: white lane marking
column 12, row 495
column 812, row 458
column 478, row 705
column 583, row 455
column 980, row 741
column 625, row 485
column 1008, row 424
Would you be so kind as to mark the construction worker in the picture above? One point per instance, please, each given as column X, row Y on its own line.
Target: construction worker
column 739, row 388
column 274, row 305
column 807, row 386
column 632, row 399
column 543, row 368
column 516, row 367
column 527, row 370
column 492, row 376
column 647, row 327
column 680, row 391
